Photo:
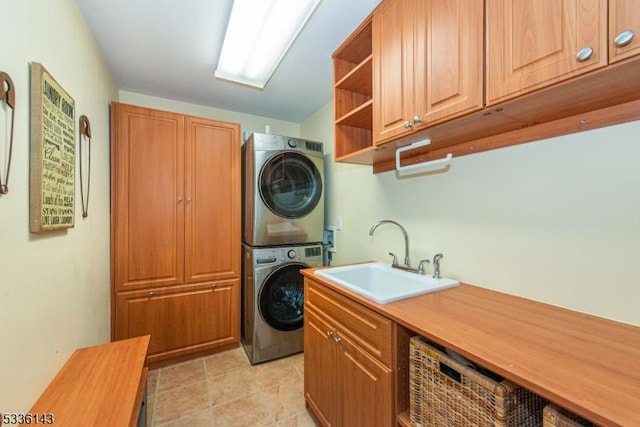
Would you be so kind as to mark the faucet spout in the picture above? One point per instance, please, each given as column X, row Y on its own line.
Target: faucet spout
column 407, row 261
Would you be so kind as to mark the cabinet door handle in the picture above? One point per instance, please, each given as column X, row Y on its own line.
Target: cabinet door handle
column 329, row 333
column 417, row 119
column 337, row 340
column 624, row 38
column 584, row 54
column 408, row 124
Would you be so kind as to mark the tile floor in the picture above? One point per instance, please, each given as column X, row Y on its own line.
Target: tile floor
column 224, row 390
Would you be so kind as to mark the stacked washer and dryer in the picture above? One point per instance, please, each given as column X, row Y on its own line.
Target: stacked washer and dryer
column 283, row 226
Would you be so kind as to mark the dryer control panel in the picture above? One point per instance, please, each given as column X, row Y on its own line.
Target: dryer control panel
column 308, row 254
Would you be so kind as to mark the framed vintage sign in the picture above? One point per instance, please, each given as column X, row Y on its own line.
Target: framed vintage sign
column 53, row 154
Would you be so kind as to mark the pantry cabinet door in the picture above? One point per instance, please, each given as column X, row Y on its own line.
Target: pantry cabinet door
column 533, row 44
column 212, row 200
column 147, row 197
column 624, row 29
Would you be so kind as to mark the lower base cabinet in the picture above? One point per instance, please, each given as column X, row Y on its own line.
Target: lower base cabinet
column 344, row 384
column 182, row 319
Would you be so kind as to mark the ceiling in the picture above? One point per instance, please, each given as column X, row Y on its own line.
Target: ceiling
column 170, row 48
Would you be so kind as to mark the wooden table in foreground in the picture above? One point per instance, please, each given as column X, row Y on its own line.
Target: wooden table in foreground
column 98, row 386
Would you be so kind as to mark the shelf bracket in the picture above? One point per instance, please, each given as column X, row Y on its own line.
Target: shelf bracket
column 419, row 167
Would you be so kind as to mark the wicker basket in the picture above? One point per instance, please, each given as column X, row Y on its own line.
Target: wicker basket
column 554, row 416
column 444, row 392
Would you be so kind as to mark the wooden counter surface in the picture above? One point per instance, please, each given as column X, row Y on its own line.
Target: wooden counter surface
column 98, row 386
column 587, row 364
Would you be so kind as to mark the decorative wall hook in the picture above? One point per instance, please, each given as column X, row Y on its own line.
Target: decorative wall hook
column 9, row 97
column 85, row 130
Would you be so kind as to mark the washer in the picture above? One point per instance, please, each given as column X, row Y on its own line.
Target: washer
column 273, row 299
column 283, row 190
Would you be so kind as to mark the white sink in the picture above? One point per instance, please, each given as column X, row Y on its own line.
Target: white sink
column 382, row 283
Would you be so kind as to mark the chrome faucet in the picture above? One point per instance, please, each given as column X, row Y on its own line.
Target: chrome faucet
column 407, row 262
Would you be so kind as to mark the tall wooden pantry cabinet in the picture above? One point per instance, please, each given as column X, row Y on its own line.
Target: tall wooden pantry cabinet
column 175, row 230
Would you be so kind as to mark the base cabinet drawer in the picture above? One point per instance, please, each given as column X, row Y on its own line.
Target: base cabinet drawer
column 368, row 329
column 181, row 320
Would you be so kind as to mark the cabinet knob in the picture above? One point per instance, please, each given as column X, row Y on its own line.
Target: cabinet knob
column 408, row 124
column 624, row 38
column 329, row 333
column 337, row 340
column 584, row 54
column 179, row 199
column 417, row 119
column 188, row 199
column 151, row 293
column 213, row 286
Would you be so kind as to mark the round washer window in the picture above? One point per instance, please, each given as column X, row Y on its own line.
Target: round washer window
column 281, row 298
column 290, row 185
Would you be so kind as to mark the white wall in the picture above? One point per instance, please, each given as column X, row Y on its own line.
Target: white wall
column 54, row 286
column 556, row 220
column 248, row 123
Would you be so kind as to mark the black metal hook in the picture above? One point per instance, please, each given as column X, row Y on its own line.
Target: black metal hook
column 85, row 129
column 8, row 96
column 85, row 126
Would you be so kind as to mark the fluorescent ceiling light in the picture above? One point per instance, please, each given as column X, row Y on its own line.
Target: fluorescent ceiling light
column 258, row 35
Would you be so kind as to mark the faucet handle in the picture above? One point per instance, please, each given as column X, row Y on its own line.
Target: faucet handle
column 395, row 259
column 421, row 266
column 436, row 265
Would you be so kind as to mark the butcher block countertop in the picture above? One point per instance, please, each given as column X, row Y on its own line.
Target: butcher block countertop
column 98, row 386
column 586, row 364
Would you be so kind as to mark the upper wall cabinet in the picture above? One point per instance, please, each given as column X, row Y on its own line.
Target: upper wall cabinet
column 533, row 44
column 549, row 68
column 427, row 57
column 624, row 29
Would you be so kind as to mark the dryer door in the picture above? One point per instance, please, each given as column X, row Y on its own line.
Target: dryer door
column 290, row 185
column 281, row 297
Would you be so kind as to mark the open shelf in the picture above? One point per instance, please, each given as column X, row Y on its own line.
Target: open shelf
column 359, row 117
column 353, row 93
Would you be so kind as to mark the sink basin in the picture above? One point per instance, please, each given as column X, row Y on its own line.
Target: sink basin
column 382, row 283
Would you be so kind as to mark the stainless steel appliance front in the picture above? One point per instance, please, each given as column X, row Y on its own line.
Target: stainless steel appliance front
column 283, row 190
column 273, row 299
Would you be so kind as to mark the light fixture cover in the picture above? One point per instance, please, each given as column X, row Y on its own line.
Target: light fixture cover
column 258, row 36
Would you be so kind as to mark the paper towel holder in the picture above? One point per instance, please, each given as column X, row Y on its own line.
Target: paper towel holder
column 419, row 167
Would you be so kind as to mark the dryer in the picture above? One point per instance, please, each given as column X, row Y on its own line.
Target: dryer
column 273, row 299
column 283, row 190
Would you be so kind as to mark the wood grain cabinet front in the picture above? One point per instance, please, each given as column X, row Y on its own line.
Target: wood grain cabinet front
column 175, row 222
column 428, row 64
column 182, row 319
column 624, row 29
column 533, row 44
column 348, row 381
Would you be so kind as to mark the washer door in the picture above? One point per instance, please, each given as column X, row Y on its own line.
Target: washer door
column 290, row 185
column 281, row 297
